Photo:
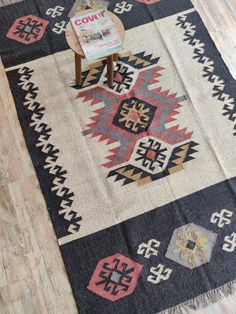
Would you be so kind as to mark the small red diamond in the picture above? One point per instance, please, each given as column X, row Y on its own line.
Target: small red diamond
column 134, row 116
column 151, row 154
column 115, row 277
column 119, row 77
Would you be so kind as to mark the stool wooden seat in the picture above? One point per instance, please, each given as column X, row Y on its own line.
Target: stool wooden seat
column 74, row 44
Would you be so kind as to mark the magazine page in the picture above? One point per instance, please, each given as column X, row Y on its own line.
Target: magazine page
column 97, row 34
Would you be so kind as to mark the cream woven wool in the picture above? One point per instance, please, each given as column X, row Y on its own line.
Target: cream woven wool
column 107, row 203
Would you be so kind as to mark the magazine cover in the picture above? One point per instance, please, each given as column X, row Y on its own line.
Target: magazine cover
column 97, row 34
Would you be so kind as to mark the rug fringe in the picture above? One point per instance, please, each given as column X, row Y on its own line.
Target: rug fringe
column 204, row 300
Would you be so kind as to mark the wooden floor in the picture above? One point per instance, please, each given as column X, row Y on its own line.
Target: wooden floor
column 32, row 275
column 7, row 2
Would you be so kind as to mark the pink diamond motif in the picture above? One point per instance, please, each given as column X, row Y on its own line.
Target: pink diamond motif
column 115, row 277
column 148, row 1
column 27, row 29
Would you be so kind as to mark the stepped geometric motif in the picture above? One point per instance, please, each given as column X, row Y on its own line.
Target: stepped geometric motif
column 27, row 29
column 56, row 173
column 209, row 70
column 134, row 118
column 115, row 277
column 191, row 245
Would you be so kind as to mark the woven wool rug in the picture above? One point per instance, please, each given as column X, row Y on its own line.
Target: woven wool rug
column 139, row 179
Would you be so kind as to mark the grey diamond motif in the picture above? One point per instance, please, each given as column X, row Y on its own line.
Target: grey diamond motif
column 115, row 276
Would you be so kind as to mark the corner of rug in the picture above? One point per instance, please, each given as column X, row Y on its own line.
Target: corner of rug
column 203, row 300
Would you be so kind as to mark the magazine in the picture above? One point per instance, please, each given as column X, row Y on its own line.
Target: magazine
column 80, row 5
column 97, row 34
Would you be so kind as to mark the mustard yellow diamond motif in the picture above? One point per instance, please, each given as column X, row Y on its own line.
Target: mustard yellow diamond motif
column 134, row 115
column 191, row 246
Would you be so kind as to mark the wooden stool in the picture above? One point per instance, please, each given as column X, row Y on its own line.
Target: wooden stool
column 74, row 44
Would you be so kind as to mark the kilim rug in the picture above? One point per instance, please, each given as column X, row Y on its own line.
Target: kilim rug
column 139, row 179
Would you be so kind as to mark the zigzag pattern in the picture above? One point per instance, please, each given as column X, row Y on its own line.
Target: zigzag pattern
column 130, row 173
column 190, row 36
column 51, row 153
column 180, row 155
column 137, row 61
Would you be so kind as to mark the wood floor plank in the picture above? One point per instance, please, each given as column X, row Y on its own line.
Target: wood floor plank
column 14, row 157
column 4, row 3
column 32, row 275
column 219, row 16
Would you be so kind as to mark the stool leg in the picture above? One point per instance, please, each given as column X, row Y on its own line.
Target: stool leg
column 110, row 70
column 78, row 70
column 115, row 57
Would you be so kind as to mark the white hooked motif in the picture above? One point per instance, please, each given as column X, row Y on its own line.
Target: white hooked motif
column 148, row 249
column 221, row 218
column 230, row 243
column 158, row 274
column 123, row 7
column 54, row 12
column 59, row 27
